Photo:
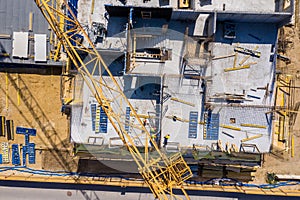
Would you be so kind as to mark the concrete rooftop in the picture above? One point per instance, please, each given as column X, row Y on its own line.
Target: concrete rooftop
column 15, row 17
column 185, row 97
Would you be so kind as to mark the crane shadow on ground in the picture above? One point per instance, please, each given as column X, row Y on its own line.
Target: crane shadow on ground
column 51, row 136
column 48, row 130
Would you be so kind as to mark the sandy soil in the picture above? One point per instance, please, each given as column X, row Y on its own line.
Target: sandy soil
column 284, row 163
column 33, row 101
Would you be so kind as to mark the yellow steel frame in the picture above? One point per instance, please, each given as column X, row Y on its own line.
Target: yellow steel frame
column 161, row 173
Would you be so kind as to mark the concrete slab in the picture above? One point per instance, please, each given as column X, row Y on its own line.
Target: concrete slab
column 182, row 95
column 245, row 81
column 236, row 5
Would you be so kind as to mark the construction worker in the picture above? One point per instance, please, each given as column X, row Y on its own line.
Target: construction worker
column 153, row 138
column 166, row 138
column 152, row 131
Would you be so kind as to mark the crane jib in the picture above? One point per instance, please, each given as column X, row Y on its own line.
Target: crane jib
column 161, row 173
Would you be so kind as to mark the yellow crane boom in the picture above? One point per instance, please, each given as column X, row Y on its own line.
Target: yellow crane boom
column 160, row 172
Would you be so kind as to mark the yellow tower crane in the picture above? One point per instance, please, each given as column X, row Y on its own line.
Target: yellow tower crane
column 162, row 173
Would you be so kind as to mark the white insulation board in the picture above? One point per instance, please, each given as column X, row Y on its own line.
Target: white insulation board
column 40, row 47
column 20, row 44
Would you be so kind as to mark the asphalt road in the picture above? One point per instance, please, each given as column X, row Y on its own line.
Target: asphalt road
column 16, row 193
column 17, row 190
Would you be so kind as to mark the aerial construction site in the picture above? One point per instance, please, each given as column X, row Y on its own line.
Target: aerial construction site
column 150, row 99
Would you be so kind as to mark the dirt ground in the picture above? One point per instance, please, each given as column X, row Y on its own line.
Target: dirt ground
column 284, row 163
column 33, row 101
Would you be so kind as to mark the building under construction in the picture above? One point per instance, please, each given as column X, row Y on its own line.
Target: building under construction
column 171, row 94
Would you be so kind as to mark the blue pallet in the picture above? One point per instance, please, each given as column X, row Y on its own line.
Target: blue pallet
column 15, row 156
column 73, row 4
column 127, row 119
column 212, row 127
column 93, row 115
column 103, row 121
column 31, row 153
column 193, row 124
column 26, row 131
column 97, row 121
column 1, row 159
column 26, row 139
column 24, row 153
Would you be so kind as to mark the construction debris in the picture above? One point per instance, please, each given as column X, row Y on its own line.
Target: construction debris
column 283, row 58
column 253, row 125
column 252, row 138
column 230, row 127
column 182, row 101
column 221, row 57
column 237, row 68
column 248, row 51
column 225, row 133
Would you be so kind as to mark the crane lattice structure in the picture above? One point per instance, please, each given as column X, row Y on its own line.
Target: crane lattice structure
column 161, row 173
